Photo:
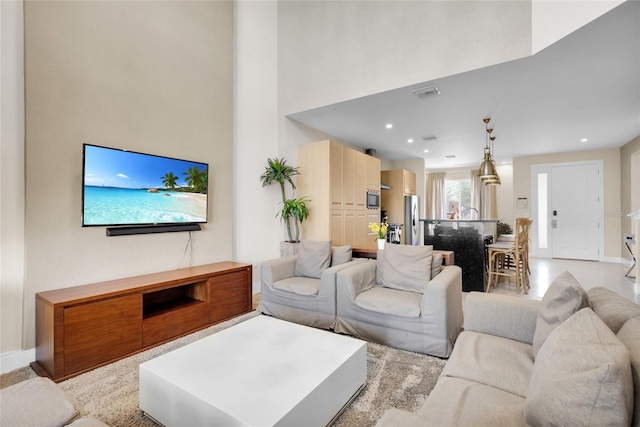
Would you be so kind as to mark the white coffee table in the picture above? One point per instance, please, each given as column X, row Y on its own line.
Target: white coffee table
column 261, row 372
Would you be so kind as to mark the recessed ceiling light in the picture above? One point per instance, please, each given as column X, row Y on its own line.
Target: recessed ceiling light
column 584, row 140
column 389, row 126
column 410, row 141
column 426, row 151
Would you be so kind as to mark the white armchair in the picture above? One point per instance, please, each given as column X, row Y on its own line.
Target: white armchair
column 395, row 301
column 302, row 288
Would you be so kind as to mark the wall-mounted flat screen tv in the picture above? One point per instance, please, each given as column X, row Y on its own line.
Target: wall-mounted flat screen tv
column 123, row 187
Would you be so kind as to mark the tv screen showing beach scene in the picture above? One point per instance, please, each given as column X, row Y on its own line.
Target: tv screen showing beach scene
column 127, row 188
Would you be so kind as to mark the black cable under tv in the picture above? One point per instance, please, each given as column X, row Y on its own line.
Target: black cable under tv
column 148, row 229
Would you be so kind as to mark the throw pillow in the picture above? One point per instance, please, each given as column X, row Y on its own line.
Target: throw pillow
column 564, row 297
column 436, row 265
column 404, row 267
column 340, row 255
column 314, row 256
column 582, row 376
column 630, row 336
column 613, row 309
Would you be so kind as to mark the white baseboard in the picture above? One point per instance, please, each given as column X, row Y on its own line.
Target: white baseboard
column 616, row 260
column 16, row 359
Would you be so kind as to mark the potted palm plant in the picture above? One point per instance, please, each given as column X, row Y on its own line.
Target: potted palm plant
column 294, row 211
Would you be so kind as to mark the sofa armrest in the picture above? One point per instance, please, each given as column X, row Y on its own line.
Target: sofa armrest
column 442, row 301
column 277, row 269
column 356, row 279
column 501, row 315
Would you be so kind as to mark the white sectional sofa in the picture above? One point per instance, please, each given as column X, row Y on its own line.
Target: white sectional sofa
column 572, row 359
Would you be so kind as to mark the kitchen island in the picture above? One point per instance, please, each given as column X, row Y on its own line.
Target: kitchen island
column 467, row 239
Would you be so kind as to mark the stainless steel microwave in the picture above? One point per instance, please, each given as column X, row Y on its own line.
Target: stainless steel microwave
column 373, row 200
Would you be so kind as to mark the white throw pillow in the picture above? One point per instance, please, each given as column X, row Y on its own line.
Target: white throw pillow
column 564, row 297
column 436, row 265
column 314, row 256
column 404, row 267
column 341, row 255
column 581, row 377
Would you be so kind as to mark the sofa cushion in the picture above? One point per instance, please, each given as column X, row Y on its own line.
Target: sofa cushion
column 314, row 256
column 564, row 297
column 390, row 301
column 630, row 336
column 404, row 267
column 36, row 402
column 340, row 255
column 460, row 402
column 495, row 361
column 613, row 309
column 299, row 285
column 584, row 367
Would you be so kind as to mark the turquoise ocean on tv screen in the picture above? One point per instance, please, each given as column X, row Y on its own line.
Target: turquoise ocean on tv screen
column 112, row 206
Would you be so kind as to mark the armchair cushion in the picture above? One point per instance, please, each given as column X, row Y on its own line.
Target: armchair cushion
column 390, row 301
column 582, row 366
column 340, row 255
column 299, row 285
column 404, row 267
column 314, row 256
column 564, row 297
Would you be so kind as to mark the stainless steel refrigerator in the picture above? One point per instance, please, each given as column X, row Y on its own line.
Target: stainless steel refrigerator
column 411, row 220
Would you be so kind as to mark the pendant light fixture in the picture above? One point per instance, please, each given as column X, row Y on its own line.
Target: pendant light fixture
column 487, row 171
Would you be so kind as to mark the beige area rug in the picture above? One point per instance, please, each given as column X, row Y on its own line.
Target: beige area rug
column 395, row 379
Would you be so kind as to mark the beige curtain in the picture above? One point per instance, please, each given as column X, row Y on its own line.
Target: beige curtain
column 436, row 196
column 483, row 197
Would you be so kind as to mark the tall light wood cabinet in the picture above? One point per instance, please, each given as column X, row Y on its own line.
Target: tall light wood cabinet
column 336, row 179
column 402, row 183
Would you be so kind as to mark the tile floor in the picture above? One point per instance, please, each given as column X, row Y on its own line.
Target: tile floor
column 589, row 273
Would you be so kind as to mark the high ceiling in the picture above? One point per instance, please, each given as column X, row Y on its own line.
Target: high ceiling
column 585, row 86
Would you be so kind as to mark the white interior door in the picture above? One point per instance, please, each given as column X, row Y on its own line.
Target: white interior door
column 575, row 209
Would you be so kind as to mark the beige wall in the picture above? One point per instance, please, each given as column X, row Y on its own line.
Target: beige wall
column 154, row 77
column 11, row 177
column 505, row 202
column 612, row 200
column 630, row 188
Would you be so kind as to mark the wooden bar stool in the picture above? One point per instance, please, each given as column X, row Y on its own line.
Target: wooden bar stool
column 501, row 253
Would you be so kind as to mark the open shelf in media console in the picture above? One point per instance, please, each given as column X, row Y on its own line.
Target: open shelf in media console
column 171, row 299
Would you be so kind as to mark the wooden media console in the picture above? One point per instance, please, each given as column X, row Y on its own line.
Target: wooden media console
column 83, row 327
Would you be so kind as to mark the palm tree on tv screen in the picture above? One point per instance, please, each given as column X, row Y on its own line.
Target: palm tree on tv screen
column 169, row 180
column 196, row 179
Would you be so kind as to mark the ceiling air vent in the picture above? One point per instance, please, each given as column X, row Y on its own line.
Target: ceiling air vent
column 450, row 156
column 429, row 138
column 426, row 91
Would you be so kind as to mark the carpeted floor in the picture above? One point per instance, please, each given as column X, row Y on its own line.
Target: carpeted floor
column 395, row 378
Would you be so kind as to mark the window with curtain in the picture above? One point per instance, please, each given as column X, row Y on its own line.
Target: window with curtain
column 458, row 198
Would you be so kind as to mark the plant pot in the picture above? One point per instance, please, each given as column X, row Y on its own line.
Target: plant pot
column 289, row 248
column 381, row 243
